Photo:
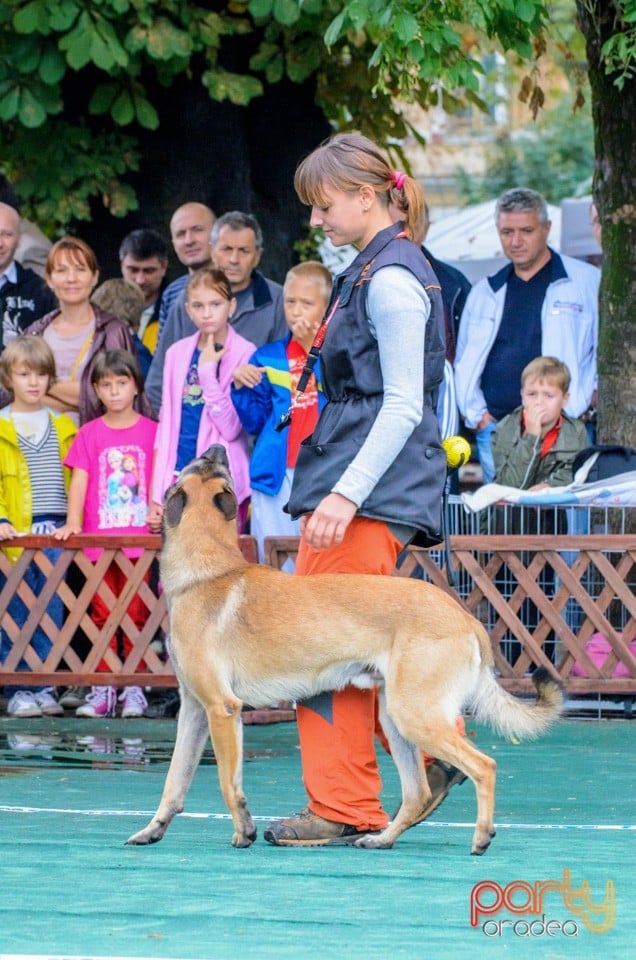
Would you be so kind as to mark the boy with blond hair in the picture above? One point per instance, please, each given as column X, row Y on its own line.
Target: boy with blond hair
column 534, row 446
column 264, row 390
column 33, row 495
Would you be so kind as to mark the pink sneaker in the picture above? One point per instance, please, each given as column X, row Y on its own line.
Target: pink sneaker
column 100, row 702
column 133, row 702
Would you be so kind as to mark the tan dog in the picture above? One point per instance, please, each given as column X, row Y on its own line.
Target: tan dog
column 243, row 632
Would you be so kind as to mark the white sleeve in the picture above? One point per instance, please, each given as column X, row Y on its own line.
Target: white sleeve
column 398, row 308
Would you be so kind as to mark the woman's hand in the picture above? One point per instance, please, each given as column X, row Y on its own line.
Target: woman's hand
column 328, row 523
column 64, row 395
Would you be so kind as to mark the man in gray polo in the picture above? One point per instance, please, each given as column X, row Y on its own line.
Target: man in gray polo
column 237, row 247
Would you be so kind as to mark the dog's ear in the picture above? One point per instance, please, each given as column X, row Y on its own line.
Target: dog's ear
column 175, row 505
column 225, row 501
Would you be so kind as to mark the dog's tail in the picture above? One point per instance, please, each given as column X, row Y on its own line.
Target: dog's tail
column 508, row 715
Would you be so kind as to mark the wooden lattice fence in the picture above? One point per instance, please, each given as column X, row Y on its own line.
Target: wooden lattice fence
column 541, row 597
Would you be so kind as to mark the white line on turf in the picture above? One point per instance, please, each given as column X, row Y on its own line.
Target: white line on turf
column 225, row 816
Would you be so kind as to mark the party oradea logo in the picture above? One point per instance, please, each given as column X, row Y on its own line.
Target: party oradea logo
column 538, row 909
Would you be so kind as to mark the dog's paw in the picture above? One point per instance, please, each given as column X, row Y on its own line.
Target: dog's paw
column 151, row 834
column 372, row 841
column 243, row 840
column 481, row 843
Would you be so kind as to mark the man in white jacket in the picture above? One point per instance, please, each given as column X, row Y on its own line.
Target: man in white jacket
column 541, row 303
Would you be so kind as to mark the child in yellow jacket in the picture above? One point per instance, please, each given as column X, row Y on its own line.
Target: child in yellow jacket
column 33, row 485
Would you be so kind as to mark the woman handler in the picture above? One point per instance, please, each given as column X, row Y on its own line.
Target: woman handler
column 369, row 480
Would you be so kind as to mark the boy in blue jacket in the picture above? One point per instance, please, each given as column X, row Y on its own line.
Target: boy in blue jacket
column 264, row 389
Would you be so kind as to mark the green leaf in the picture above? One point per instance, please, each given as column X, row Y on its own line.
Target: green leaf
column 418, row 52
column 9, row 103
column 275, row 69
column 52, row 67
column 146, row 114
column 49, row 96
column 121, row 199
column 32, row 18
column 165, row 41
column 123, row 109
column 106, row 50
column 25, row 53
column 101, row 54
column 406, row 27
column 77, row 43
column 63, row 15
column 264, row 55
column 286, row 12
column 103, row 97
column 136, row 39
column 526, row 10
column 222, row 85
column 311, row 7
column 31, row 113
column 303, row 62
column 260, row 8
column 211, row 29
column 334, row 29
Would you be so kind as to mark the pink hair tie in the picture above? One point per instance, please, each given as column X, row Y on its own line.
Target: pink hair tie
column 398, row 179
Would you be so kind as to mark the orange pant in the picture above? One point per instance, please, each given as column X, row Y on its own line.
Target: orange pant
column 336, row 729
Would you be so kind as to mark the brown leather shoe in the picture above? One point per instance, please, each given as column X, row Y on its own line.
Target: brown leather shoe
column 307, row 829
column 442, row 777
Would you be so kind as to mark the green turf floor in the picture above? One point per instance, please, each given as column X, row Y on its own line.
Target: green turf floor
column 72, row 790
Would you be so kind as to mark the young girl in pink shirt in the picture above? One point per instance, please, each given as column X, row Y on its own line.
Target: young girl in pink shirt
column 111, row 459
column 196, row 407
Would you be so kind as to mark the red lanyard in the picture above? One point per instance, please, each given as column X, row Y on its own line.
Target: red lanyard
column 310, row 363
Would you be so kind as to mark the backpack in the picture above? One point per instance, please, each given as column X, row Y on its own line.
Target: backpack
column 605, row 461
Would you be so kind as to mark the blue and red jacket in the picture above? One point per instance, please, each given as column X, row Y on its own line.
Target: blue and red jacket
column 260, row 409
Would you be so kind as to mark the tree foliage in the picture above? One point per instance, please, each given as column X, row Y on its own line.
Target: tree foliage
column 555, row 156
column 80, row 80
column 85, row 83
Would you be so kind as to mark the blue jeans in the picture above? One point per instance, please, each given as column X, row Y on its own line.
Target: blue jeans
column 484, row 451
column 19, row 612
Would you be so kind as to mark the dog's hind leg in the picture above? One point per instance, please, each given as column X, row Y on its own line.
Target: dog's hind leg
column 415, row 790
column 226, row 730
column 438, row 736
column 482, row 770
column 192, row 735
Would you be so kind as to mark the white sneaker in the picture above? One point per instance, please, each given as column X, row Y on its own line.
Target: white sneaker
column 47, row 703
column 100, row 702
column 133, row 702
column 23, row 704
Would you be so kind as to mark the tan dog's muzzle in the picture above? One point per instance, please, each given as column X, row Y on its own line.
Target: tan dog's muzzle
column 211, row 465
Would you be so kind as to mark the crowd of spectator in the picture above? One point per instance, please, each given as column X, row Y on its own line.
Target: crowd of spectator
column 107, row 391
